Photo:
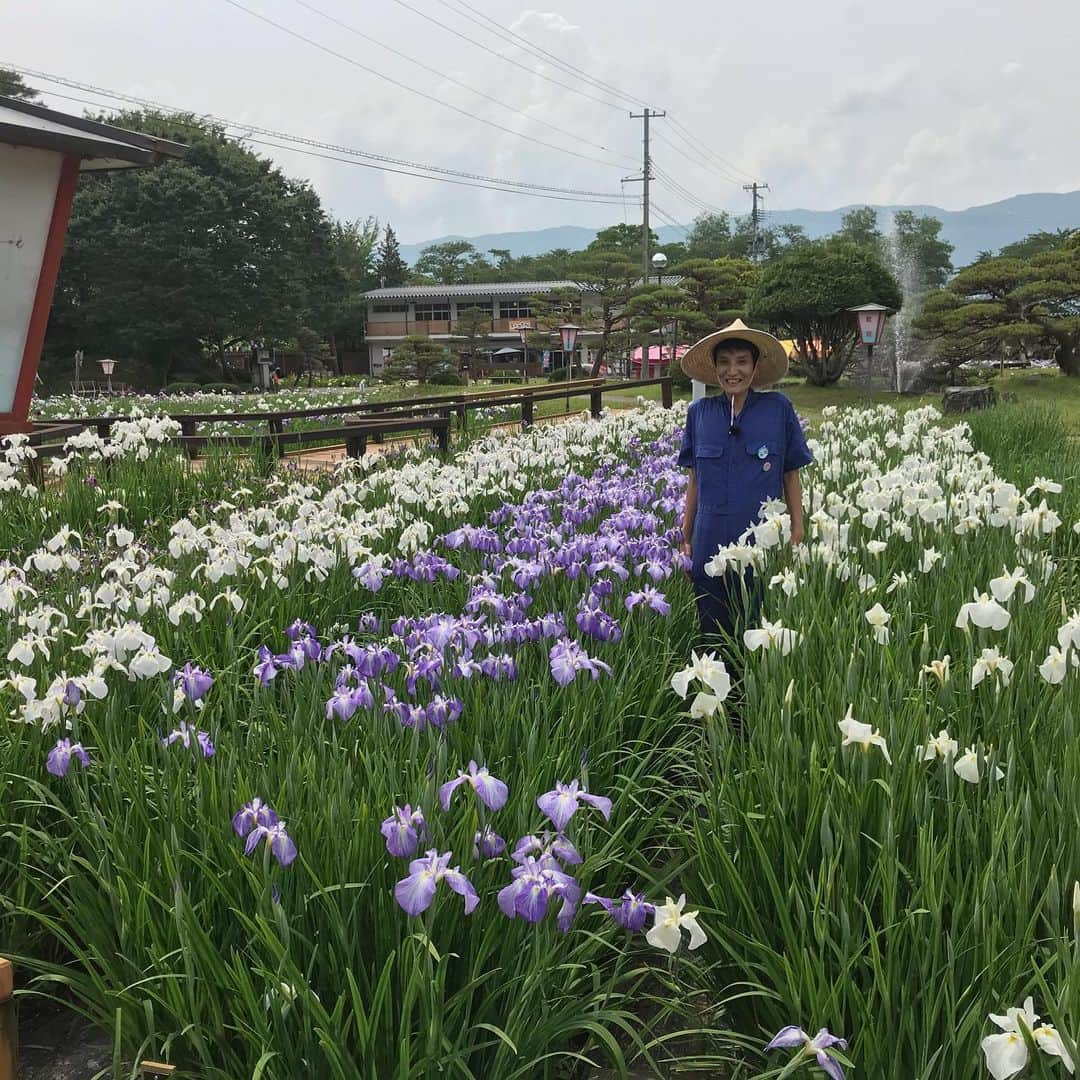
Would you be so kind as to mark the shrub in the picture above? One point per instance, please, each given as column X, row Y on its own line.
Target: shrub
column 448, row 378
column 559, row 374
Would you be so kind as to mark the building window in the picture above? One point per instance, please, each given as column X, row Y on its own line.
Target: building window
column 514, row 309
column 484, row 305
column 439, row 312
column 390, row 309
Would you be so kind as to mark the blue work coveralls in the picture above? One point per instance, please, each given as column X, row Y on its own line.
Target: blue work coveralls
column 735, row 474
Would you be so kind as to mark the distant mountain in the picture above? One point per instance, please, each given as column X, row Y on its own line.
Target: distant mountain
column 978, row 228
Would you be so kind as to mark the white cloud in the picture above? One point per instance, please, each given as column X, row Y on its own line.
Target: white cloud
column 830, row 105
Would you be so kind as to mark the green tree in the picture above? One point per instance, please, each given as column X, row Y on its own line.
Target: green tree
column 805, row 293
column 354, row 252
column 164, row 264
column 391, row 269
column 623, row 238
column 655, row 313
column 918, row 243
column 710, row 236
column 12, row 86
column 1037, row 243
column 310, row 346
column 452, row 262
column 716, row 291
column 472, row 328
column 1002, row 305
column 860, row 227
column 607, row 279
column 418, row 358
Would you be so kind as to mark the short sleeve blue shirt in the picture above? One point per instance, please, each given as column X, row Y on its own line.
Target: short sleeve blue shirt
column 737, row 472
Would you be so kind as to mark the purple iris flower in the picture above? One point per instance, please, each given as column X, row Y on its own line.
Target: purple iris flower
column 298, row 629
column 488, row 844
column 415, row 892
column 598, row 624
column 59, row 758
column 442, row 710
column 266, row 668
column 792, row 1036
column 404, row 829
column 347, row 700
column 252, row 815
column 650, row 596
column 278, row 840
column 600, row 590
column 72, row 694
column 185, row 734
column 296, row 657
column 371, row 576
column 536, row 883
column 546, row 845
column 561, row 804
column 568, row 658
column 368, row 623
column 491, row 792
column 194, row 682
column 629, row 911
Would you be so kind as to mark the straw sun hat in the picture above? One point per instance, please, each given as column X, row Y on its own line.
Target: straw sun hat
column 772, row 364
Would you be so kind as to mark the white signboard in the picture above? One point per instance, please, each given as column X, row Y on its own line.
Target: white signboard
column 28, row 181
column 521, row 324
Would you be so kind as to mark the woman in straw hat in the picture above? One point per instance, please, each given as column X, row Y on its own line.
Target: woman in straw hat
column 742, row 447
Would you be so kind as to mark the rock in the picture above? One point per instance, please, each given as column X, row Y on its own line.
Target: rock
column 958, row 399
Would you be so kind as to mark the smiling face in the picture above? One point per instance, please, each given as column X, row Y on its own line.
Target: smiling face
column 735, row 368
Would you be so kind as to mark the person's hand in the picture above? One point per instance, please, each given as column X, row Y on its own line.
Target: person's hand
column 798, row 534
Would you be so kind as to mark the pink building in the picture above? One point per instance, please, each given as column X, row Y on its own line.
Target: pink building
column 658, row 361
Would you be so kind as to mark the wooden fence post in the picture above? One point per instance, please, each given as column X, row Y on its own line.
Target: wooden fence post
column 7, row 1021
column 596, row 403
column 442, row 434
column 665, row 391
column 527, row 412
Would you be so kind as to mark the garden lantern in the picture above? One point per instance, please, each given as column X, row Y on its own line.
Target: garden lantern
column 871, row 321
column 42, row 153
column 107, row 367
column 569, row 333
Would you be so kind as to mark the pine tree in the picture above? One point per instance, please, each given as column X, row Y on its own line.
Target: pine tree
column 391, row 269
column 12, row 85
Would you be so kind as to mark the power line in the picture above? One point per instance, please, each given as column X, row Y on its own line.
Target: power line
column 683, row 132
column 450, row 78
column 405, row 86
column 441, row 179
column 611, row 197
column 538, row 51
column 491, row 52
column 487, row 23
column 701, row 162
column 669, row 220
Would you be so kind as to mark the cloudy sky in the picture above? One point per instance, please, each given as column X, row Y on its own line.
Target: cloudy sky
column 831, row 103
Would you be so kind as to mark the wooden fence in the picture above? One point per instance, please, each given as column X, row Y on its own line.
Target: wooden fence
column 368, row 420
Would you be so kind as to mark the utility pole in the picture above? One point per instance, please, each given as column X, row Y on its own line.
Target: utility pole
column 644, row 178
column 757, row 245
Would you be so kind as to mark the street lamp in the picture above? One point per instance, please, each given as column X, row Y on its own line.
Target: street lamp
column 659, row 261
column 107, row 367
column 569, row 333
column 523, row 333
column 871, row 321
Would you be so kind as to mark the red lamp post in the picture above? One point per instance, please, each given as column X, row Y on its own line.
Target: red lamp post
column 569, row 333
column 42, row 153
column 871, row 321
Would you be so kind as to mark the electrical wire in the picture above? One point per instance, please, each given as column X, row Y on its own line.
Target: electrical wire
column 452, row 79
column 284, row 136
column 409, row 89
column 537, row 51
column 480, row 45
column 700, row 161
column 444, row 180
column 703, row 147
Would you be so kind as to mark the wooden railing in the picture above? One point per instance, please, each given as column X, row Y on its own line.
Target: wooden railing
column 367, row 420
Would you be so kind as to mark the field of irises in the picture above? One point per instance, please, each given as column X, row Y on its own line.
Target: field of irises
column 420, row 768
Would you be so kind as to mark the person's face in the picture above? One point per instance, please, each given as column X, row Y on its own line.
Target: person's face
column 735, row 370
